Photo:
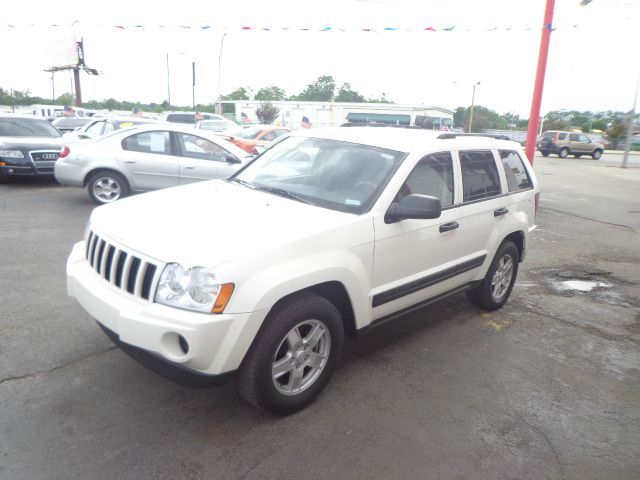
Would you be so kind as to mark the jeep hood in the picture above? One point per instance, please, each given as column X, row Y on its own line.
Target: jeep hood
column 210, row 223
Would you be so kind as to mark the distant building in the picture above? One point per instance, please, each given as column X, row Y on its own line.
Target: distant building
column 330, row 114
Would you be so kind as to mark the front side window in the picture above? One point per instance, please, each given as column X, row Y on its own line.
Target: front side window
column 149, row 142
column 333, row 174
column 480, row 177
column 192, row 146
column 574, row 137
column 517, row 176
column 432, row 176
column 96, row 129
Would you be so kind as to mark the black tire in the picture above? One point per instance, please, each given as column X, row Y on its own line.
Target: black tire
column 578, row 155
column 563, row 153
column 106, row 186
column 545, row 153
column 256, row 380
column 487, row 295
column 596, row 154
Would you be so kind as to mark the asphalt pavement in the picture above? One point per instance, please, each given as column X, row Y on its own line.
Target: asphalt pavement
column 546, row 388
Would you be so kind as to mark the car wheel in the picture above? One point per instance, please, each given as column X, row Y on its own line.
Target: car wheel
column 563, row 153
column 596, row 154
column 545, row 153
column 497, row 284
column 293, row 356
column 106, row 187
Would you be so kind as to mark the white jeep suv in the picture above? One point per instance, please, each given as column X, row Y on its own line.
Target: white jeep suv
column 329, row 232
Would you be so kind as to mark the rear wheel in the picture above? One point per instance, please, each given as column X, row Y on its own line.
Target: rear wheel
column 107, row 186
column 293, row 356
column 563, row 153
column 596, row 154
column 544, row 153
column 497, row 284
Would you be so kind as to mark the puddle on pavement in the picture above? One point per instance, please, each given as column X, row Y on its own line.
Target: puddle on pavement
column 594, row 283
column 579, row 285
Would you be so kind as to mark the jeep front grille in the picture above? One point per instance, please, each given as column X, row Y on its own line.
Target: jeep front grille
column 121, row 269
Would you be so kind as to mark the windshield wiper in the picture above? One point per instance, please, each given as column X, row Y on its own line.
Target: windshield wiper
column 244, row 182
column 282, row 193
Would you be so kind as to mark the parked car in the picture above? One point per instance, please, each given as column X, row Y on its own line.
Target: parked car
column 329, row 232
column 69, row 124
column 189, row 117
column 29, row 146
column 98, row 126
column 216, row 125
column 564, row 144
column 147, row 157
column 248, row 138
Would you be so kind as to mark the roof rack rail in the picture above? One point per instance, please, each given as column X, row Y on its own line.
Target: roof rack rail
column 489, row 135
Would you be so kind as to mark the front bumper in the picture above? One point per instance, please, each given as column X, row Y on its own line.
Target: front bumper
column 216, row 343
column 22, row 171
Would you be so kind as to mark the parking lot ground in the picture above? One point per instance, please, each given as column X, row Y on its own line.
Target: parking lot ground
column 546, row 388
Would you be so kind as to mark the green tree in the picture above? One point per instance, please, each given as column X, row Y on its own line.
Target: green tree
column 65, row 99
column 345, row 94
column 321, row 90
column 270, row 93
column 267, row 112
column 381, row 99
column 241, row 93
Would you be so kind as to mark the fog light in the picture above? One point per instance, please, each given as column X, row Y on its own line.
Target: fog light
column 184, row 345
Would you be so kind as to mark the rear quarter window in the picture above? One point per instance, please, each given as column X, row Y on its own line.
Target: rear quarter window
column 515, row 171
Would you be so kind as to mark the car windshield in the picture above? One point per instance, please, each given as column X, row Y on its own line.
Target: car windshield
column 248, row 133
column 27, row 127
column 342, row 176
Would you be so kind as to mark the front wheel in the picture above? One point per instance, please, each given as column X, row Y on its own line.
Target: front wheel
column 293, row 356
column 596, row 154
column 563, row 153
column 106, row 187
column 497, row 284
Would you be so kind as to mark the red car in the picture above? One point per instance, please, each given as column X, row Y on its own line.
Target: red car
column 249, row 138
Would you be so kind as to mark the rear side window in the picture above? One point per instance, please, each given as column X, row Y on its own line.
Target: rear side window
column 479, row 175
column 517, row 176
column 432, row 176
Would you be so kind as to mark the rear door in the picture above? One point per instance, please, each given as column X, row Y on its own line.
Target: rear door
column 484, row 209
column 148, row 159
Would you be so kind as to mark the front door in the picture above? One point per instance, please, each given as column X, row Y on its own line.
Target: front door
column 149, row 160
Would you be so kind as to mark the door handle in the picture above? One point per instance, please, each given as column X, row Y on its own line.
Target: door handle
column 129, row 161
column 446, row 227
column 189, row 167
column 500, row 211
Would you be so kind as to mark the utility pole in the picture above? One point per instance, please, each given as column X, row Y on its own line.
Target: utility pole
column 219, row 112
column 473, row 98
column 193, row 85
column 632, row 117
column 168, row 84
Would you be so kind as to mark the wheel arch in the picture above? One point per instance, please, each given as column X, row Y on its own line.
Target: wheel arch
column 519, row 239
column 92, row 172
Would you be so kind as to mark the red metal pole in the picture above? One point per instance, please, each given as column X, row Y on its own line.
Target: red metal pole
column 536, row 101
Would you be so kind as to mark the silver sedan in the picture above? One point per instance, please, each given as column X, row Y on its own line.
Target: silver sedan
column 147, row 157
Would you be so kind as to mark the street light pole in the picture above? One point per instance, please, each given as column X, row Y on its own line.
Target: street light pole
column 632, row 117
column 473, row 98
column 219, row 76
column 193, row 85
column 168, row 83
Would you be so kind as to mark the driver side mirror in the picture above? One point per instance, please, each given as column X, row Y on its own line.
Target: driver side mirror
column 414, row 207
column 232, row 159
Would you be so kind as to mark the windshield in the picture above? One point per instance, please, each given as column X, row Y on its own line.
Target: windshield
column 27, row 127
column 342, row 176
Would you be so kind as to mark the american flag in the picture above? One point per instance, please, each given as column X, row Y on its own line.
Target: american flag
column 306, row 123
column 444, row 127
column 244, row 117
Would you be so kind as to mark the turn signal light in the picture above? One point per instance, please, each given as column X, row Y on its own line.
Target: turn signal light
column 223, row 298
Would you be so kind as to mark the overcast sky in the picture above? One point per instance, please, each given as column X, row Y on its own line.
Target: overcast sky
column 593, row 61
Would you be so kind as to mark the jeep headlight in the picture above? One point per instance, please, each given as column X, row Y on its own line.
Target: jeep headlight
column 195, row 288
